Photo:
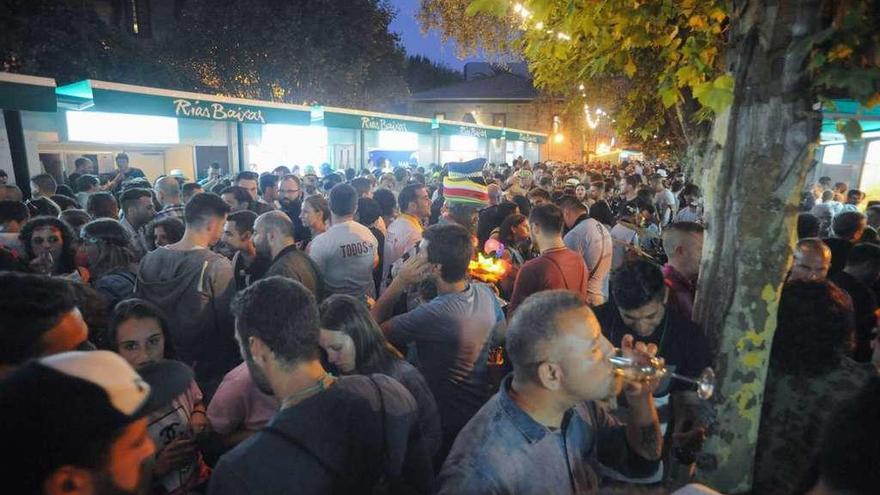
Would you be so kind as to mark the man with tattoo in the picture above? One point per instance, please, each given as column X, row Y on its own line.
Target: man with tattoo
column 546, row 430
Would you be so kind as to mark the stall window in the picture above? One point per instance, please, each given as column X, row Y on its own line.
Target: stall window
column 463, row 143
column 499, row 119
column 283, row 144
column 105, row 127
column 398, row 140
column 833, row 154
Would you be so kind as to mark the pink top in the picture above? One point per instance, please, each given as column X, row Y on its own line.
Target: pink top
column 239, row 405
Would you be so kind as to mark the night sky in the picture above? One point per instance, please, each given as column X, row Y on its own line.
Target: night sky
column 430, row 46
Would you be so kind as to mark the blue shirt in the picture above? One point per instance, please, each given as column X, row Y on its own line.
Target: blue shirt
column 503, row 450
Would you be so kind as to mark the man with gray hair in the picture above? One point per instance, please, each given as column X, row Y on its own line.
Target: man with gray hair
column 548, row 417
column 273, row 238
column 168, row 193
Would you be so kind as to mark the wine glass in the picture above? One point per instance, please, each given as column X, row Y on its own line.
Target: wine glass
column 632, row 371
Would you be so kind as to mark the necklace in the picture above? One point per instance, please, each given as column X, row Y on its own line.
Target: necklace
column 323, row 383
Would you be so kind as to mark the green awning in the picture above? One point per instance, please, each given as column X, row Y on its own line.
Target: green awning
column 19, row 92
column 527, row 137
column 869, row 119
column 124, row 98
column 486, row 132
column 353, row 119
column 101, row 96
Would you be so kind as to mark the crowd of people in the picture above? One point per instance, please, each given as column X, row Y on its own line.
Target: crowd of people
column 284, row 332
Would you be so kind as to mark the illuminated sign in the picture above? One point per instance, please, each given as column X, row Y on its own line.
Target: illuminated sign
column 528, row 138
column 472, row 131
column 378, row 124
column 217, row 111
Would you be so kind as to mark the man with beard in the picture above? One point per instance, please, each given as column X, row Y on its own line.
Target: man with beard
column 78, row 421
column 331, row 435
column 290, row 197
column 273, row 238
column 194, row 285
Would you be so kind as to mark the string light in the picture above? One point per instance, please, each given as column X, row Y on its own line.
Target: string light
column 591, row 121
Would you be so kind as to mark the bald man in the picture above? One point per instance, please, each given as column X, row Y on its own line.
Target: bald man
column 168, row 193
column 812, row 259
column 273, row 239
column 683, row 243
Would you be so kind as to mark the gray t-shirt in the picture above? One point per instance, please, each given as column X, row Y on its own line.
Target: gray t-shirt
column 346, row 254
column 592, row 241
column 451, row 334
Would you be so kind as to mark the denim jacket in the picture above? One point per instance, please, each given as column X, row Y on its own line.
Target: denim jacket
column 503, row 450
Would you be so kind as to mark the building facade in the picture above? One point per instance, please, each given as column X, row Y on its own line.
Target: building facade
column 503, row 98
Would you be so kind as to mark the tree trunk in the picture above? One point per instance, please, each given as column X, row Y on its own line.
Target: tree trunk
column 752, row 178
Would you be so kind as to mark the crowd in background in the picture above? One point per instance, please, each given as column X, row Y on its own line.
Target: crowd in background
column 285, row 331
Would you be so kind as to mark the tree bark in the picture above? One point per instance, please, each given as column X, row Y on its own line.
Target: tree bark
column 753, row 175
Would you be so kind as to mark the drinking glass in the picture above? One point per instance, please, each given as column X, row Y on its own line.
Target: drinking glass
column 632, row 371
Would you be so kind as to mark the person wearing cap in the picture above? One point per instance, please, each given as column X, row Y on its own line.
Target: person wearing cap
column 331, row 435
column 168, row 193
column 85, row 431
column 138, row 332
column 107, row 247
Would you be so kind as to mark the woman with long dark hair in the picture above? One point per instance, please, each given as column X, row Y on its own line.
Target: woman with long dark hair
column 50, row 246
column 356, row 346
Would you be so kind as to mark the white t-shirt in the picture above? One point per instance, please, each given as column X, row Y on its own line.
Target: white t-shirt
column 667, row 206
column 171, row 423
column 622, row 237
column 403, row 233
column 346, row 254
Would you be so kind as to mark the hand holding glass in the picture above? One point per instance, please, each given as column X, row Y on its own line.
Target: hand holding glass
column 655, row 368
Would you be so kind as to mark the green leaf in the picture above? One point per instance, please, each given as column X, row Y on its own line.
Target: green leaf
column 629, row 68
column 717, row 94
column 495, row 7
column 850, row 128
column 669, row 95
